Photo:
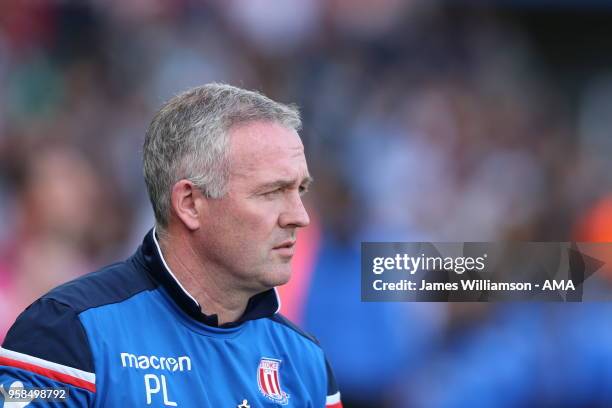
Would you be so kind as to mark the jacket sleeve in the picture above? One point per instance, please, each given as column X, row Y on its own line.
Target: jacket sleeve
column 47, row 348
column 333, row 393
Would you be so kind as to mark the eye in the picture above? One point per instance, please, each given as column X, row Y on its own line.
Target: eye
column 273, row 192
column 303, row 190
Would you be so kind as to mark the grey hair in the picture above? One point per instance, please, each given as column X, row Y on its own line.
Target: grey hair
column 188, row 139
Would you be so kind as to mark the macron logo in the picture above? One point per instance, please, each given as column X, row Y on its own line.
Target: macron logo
column 173, row 364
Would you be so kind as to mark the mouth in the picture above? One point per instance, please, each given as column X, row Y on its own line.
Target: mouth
column 285, row 249
column 286, row 244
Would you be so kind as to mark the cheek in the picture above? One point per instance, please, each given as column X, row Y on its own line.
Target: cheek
column 252, row 224
column 258, row 213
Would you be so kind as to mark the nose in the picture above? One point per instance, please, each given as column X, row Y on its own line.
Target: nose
column 294, row 215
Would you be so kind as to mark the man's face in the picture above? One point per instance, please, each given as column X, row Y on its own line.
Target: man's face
column 250, row 233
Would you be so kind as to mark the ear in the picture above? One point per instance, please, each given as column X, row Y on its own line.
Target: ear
column 187, row 203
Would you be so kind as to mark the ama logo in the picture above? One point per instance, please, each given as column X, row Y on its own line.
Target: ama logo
column 269, row 382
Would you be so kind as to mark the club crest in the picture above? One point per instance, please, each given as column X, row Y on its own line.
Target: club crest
column 268, row 379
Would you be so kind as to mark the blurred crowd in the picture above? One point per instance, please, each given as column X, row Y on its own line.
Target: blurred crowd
column 423, row 121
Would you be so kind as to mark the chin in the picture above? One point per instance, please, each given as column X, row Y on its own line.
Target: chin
column 279, row 276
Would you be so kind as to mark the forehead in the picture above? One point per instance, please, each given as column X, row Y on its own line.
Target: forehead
column 266, row 150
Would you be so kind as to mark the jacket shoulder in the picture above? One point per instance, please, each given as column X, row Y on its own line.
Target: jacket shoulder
column 51, row 331
column 50, row 328
column 333, row 394
column 111, row 284
column 281, row 319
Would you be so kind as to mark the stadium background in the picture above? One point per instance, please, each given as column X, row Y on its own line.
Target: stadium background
column 423, row 120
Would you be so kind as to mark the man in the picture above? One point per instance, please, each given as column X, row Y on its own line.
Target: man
column 191, row 319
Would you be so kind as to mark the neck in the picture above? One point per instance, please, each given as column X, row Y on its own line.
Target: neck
column 208, row 286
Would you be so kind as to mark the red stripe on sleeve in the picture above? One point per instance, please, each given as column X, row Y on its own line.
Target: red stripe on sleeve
column 54, row 375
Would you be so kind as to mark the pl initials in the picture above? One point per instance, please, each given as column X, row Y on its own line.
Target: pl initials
column 153, row 385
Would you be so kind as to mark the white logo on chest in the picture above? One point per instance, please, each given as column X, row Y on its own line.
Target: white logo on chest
column 182, row 363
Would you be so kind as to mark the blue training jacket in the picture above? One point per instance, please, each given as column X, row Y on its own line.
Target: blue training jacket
column 129, row 335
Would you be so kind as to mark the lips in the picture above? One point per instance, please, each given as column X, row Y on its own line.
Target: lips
column 286, row 244
column 285, row 249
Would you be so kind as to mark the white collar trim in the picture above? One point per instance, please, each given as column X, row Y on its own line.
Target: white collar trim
column 278, row 300
column 161, row 255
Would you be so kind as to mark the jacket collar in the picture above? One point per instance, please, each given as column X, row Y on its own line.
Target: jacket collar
column 264, row 304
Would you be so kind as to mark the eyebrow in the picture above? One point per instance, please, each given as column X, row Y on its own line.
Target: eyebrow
column 306, row 182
